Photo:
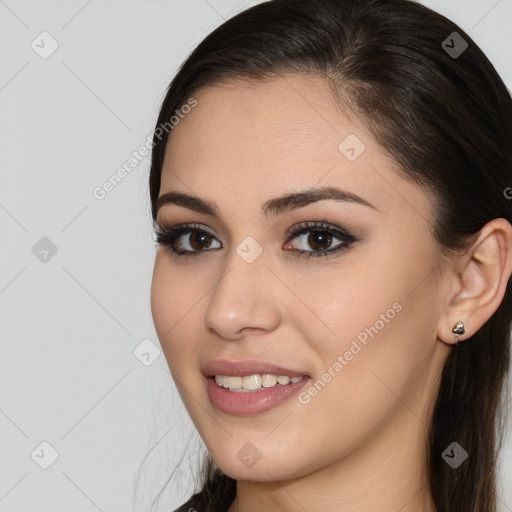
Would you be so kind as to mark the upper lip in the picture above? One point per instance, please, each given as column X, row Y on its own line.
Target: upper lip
column 246, row 367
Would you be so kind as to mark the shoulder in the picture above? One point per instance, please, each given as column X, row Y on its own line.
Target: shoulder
column 216, row 498
column 189, row 505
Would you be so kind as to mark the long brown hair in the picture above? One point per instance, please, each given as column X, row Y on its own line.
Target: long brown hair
column 446, row 119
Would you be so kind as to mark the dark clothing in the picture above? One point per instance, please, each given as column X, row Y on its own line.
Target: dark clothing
column 189, row 505
column 198, row 503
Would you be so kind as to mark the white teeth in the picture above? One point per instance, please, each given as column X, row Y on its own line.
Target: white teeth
column 268, row 380
column 254, row 382
column 220, row 380
column 251, row 382
column 234, row 382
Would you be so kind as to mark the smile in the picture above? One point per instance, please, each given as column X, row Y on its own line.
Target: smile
column 254, row 382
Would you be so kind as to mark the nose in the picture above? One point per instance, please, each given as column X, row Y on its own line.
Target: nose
column 244, row 299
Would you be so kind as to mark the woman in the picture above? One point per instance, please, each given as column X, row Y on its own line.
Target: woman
column 332, row 284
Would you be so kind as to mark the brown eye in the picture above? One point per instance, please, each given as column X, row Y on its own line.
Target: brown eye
column 315, row 239
column 320, row 240
column 199, row 240
column 186, row 240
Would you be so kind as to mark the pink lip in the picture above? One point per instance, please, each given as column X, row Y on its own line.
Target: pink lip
column 254, row 402
column 247, row 367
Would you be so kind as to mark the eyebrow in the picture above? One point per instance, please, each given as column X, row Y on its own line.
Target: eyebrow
column 272, row 207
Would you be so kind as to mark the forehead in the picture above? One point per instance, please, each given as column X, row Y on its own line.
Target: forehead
column 259, row 139
column 252, row 122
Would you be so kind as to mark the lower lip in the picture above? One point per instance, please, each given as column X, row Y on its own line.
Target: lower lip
column 253, row 402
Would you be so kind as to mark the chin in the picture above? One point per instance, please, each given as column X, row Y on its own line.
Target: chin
column 264, row 469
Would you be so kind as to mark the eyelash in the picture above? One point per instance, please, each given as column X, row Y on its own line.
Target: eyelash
column 168, row 236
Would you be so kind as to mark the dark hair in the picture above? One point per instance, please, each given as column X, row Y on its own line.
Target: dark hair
column 446, row 120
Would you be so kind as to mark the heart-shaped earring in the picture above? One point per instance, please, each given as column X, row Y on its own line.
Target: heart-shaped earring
column 458, row 330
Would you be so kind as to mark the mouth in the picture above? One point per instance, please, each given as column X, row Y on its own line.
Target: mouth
column 250, row 387
column 246, row 368
column 255, row 382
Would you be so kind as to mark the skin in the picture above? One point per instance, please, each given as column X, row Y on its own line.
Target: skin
column 360, row 443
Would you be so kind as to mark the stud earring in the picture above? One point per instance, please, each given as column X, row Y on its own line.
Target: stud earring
column 458, row 330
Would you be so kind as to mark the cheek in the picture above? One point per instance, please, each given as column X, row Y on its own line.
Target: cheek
column 375, row 304
column 163, row 296
column 348, row 305
column 175, row 303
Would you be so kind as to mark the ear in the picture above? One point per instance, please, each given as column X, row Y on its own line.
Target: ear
column 478, row 281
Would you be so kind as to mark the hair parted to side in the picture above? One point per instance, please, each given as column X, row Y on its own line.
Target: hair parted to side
column 447, row 123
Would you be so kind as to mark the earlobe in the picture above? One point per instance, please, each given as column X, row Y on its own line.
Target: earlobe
column 482, row 274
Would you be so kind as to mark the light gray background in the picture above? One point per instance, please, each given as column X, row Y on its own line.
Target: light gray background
column 69, row 326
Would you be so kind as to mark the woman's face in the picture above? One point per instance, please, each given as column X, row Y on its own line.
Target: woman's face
column 360, row 322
